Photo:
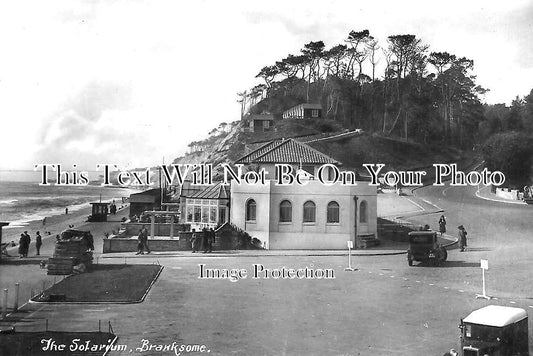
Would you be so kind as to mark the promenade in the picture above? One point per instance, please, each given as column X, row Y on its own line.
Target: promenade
column 418, row 307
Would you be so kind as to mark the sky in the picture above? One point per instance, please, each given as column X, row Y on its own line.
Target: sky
column 133, row 82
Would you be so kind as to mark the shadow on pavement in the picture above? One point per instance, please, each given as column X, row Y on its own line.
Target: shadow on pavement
column 12, row 260
column 459, row 264
column 448, row 264
column 478, row 249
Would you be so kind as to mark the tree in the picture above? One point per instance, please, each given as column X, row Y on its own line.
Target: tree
column 410, row 100
column 527, row 114
column 256, row 93
column 373, row 47
column 313, row 51
column 358, row 50
column 406, row 49
column 512, row 154
column 514, row 117
column 243, row 97
column 442, row 61
column 461, row 91
column 297, row 63
column 268, row 73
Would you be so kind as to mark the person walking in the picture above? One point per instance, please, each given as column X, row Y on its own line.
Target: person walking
column 145, row 239
column 140, row 238
column 139, row 242
column 462, row 237
column 38, row 243
column 442, row 225
column 144, row 231
column 194, row 238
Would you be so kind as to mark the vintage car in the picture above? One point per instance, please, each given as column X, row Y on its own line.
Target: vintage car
column 495, row 331
column 79, row 234
column 423, row 247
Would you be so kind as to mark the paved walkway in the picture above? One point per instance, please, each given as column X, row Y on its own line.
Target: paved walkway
column 31, row 277
column 400, row 248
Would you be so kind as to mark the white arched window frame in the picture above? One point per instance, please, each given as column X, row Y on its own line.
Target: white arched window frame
column 333, row 213
column 285, row 211
column 309, row 212
column 251, row 210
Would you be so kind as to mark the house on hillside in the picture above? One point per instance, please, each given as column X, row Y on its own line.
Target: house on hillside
column 304, row 111
column 309, row 216
column 259, row 123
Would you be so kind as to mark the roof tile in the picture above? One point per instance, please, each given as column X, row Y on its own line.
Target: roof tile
column 287, row 151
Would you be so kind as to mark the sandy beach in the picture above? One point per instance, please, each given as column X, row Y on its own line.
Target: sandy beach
column 53, row 226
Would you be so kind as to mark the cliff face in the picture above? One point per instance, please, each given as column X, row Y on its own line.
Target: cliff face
column 216, row 149
column 228, row 142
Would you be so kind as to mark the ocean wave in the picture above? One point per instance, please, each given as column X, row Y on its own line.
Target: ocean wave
column 25, row 219
column 39, row 213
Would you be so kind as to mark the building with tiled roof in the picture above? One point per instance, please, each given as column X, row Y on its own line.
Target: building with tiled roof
column 217, row 191
column 206, row 207
column 287, row 151
column 251, row 156
column 312, row 215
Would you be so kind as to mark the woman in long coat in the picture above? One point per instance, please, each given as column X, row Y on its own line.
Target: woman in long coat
column 442, row 225
column 22, row 244
column 194, row 241
column 462, row 237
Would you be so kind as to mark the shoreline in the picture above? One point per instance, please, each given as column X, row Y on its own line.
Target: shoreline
column 55, row 224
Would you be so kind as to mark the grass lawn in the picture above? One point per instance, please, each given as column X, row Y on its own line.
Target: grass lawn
column 105, row 283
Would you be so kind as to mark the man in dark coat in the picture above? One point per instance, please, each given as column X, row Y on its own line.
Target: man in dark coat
column 205, row 239
column 462, row 237
column 145, row 239
column 27, row 241
column 140, row 238
column 38, row 243
column 210, row 240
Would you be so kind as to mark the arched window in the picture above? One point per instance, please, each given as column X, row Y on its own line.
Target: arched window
column 363, row 212
column 250, row 210
column 309, row 212
column 285, row 211
column 333, row 212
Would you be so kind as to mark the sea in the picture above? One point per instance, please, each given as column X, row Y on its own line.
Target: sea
column 22, row 199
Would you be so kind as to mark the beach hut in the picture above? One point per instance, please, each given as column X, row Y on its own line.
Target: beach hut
column 99, row 212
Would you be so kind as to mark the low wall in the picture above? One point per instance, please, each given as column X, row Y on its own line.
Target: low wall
column 506, row 193
column 180, row 243
column 161, row 229
column 130, row 245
